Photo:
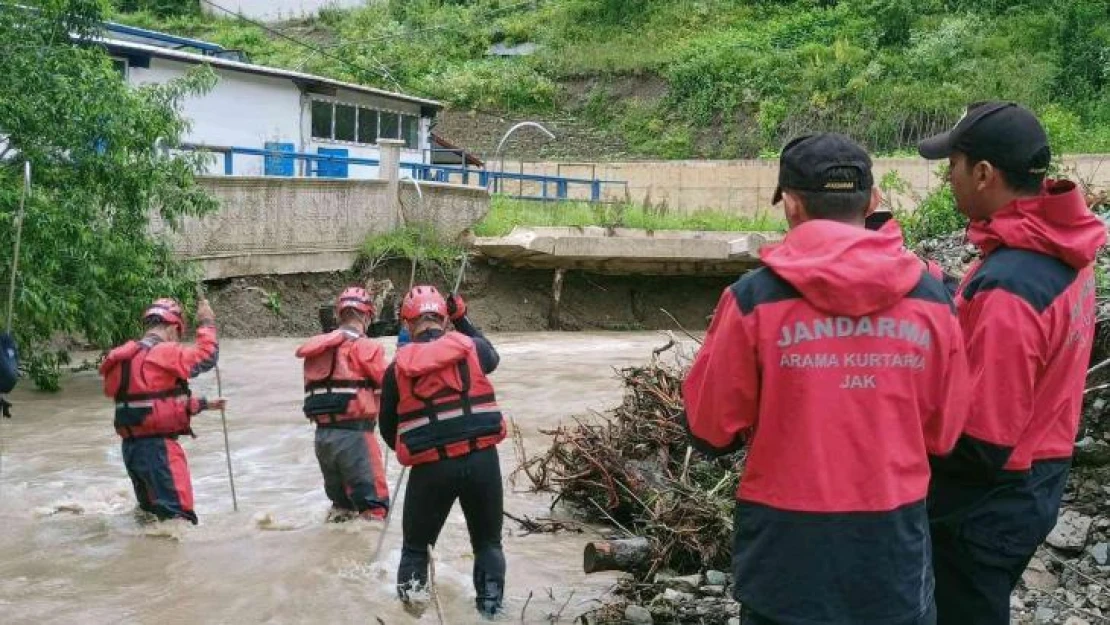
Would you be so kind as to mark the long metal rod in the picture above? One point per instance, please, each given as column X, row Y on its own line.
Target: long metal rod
column 18, row 239
column 227, row 444
column 223, row 421
column 459, row 278
column 389, row 514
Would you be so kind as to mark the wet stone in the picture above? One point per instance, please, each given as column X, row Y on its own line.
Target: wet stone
column 1101, row 553
column 716, row 578
column 1070, row 533
column 1038, row 577
column 1044, row 616
column 638, row 615
column 686, row 583
column 675, row 596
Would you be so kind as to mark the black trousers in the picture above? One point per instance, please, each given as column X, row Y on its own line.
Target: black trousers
column 475, row 481
column 974, row 582
column 981, row 550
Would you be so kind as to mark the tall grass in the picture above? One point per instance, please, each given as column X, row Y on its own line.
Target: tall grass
column 416, row 242
column 506, row 213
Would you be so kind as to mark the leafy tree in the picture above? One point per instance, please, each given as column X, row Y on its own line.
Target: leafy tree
column 1084, row 50
column 88, row 264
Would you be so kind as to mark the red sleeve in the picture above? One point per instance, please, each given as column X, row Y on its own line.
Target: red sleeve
column 722, row 389
column 951, row 390
column 188, row 361
column 1005, row 347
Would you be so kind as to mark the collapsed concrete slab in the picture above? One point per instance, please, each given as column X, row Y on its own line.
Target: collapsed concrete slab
column 628, row 251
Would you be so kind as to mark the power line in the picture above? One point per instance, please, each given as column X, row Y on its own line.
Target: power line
column 428, row 29
column 384, row 71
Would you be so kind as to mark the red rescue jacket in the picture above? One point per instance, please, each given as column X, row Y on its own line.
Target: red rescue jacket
column 149, row 381
column 446, row 406
column 1027, row 309
column 342, row 377
column 841, row 365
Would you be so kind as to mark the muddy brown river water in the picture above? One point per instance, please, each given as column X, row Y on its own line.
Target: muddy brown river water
column 72, row 551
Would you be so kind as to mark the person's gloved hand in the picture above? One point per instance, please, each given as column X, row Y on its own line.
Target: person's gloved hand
column 456, row 307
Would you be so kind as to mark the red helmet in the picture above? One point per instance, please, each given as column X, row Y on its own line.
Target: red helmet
column 357, row 298
column 423, row 300
column 168, row 311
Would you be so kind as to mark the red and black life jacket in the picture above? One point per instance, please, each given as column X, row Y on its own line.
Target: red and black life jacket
column 144, row 408
column 334, row 392
column 447, row 407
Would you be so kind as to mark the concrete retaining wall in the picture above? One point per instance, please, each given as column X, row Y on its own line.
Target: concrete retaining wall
column 294, row 225
column 743, row 186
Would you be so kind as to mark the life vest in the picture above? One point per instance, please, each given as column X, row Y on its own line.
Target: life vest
column 447, row 407
column 334, row 392
column 144, row 409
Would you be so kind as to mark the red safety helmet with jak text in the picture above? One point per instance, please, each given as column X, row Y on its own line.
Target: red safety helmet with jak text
column 423, row 300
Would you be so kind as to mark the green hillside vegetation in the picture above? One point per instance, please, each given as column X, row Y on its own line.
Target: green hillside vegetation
column 710, row 78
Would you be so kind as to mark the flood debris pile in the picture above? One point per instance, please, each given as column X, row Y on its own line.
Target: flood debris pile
column 698, row 598
column 633, row 469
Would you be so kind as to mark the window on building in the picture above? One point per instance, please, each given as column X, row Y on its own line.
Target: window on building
column 334, row 121
column 367, row 126
column 344, row 122
column 322, row 113
column 390, row 126
column 410, row 129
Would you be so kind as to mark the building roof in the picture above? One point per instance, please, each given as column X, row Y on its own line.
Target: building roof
column 131, row 48
column 441, row 145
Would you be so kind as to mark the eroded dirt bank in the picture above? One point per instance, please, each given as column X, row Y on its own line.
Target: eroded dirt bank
column 501, row 299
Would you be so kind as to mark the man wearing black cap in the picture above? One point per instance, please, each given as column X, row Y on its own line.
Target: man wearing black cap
column 1027, row 311
column 840, row 364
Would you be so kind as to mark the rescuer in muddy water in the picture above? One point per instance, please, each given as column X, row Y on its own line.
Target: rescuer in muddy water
column 149, row 380
column 840, row 364
column 440, row 415
column 1028, row 312
column 343, row 372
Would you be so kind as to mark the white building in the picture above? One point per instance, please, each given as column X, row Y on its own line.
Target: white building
column 253, row 107
column 274, row 10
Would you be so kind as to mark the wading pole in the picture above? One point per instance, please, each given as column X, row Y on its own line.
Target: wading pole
column 223, row 420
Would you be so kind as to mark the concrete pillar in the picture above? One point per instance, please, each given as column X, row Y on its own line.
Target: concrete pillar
column 389, row 169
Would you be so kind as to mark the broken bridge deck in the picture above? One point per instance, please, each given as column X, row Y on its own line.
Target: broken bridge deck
column 628, row 251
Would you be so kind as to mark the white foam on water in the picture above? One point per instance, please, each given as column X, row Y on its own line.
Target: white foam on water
column 268, row 522
column 91, row 502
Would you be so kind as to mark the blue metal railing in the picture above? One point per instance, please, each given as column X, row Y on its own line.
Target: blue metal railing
column 494, row 180
column 153, row 35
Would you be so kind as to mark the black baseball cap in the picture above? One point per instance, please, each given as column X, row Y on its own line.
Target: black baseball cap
column 806, row 163
column 1007, row 135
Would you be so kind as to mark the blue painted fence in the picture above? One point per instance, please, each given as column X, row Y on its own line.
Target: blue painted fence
column 280, row 160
